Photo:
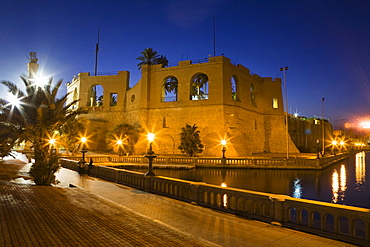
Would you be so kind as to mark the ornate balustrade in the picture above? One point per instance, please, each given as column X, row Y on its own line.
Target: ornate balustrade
column 214, row 162
column 351, row 224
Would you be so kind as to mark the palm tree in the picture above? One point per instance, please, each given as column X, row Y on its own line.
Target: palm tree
column 190, row 140
column 170, row 85
column 151, row 57
column 198, row 84
column 38, row 115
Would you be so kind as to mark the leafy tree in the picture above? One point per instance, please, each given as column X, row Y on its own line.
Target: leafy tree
column 190, row 140
column 70, row 134
column 151, row 57
column 36, row 116
column 161, row 60
column 128, row 135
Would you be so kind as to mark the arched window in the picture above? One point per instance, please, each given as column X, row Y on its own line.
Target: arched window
column 199, row 87
column 95, row 96
column 234, row 88
column 75, row 94
column 170, row 89
column 253, row 95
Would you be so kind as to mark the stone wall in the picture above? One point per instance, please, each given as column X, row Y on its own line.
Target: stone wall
column 244, row 114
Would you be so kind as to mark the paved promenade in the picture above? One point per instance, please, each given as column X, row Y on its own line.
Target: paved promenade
column 100, row 213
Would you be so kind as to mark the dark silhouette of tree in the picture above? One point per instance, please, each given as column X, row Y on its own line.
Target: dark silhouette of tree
column 128, row 135
column 36, row 117
column 170, row 85
column 190, row 140
column 70, row 135
column 151, row 57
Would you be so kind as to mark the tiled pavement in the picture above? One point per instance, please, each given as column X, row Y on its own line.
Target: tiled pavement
column 100, row 213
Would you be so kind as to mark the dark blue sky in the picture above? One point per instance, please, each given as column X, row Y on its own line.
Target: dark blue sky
column 326, row 44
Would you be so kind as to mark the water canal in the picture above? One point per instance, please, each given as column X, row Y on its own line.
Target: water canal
column 346, row 182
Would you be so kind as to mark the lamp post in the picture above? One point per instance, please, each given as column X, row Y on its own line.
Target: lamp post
column 119, row 143
column 84, row 149
column 323, row 127
column 341, row 143
column 52, row 145
column 223, row 159
column 150, row 155
column 223, row 143
column 334, row 143
column 318, row 148
column 286, row 112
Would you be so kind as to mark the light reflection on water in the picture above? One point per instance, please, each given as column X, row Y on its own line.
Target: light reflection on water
column 360, row 171
column 297, row 188
column 341, row 183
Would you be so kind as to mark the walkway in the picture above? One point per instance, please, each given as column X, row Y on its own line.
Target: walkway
column 100, row 213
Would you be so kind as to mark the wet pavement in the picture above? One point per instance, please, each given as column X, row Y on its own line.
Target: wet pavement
column 101, row 213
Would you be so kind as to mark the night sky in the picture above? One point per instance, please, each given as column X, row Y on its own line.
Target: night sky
column 326, row 44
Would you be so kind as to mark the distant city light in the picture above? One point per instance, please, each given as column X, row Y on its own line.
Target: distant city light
column 365, row 124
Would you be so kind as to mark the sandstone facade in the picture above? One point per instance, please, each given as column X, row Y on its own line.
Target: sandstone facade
column 235, row 104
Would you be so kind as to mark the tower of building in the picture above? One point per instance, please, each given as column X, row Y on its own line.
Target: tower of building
column 33, row 66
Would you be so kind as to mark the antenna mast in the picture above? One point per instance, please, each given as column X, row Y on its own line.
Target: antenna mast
column 96, row 54
column 214, row 36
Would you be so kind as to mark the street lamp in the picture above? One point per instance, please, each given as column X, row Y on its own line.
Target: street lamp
column 341, row 143
column 323, row 127
column 223, row 159
column 119, row 143
column 334, row 144
column 318, row 148
column 150, row 154
column 223, row 143
column 84, row 149
column 52, row 142
column 286, row 111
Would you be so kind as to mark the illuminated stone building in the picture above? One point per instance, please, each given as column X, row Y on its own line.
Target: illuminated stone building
column 225, row 100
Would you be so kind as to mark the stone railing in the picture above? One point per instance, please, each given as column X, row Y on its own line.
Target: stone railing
column 350, row 224
column 230, row 162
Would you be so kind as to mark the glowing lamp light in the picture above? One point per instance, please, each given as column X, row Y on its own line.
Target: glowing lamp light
column 341, row 143
column 119, row 142
column 334, row 142
column 52, row 141
column 223, row 143
column 150, row 137
column 83, row 139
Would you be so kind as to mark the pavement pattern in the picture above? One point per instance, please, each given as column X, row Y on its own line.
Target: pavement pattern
column 101, row 213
